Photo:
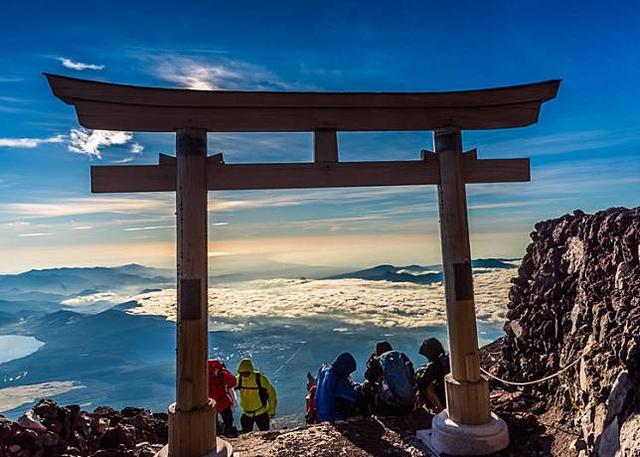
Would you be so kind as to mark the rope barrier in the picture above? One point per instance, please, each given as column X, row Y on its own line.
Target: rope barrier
column 289, row 359
column 537, row 381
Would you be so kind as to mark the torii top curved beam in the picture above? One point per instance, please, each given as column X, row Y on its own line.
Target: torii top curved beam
column 107, row 106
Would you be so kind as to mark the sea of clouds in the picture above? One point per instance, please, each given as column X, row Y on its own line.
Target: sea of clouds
column 352, row 301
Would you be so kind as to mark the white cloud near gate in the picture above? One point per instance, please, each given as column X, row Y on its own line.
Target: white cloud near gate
column 213, row 73
column 91, row 142
column 79, row 66
column 30, row 143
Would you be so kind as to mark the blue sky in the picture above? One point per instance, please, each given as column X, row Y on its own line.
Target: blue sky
column 584, row 150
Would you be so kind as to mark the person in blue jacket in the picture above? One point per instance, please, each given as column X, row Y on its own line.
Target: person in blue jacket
column 337, row 395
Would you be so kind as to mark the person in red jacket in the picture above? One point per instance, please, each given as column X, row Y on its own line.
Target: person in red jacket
column 221, row 384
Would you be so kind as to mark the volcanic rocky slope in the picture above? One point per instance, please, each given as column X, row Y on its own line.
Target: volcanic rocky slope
column 577, row 296
column 50, row 430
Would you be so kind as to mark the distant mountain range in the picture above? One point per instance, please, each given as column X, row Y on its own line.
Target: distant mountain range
column 55, row 284
column 418, row 274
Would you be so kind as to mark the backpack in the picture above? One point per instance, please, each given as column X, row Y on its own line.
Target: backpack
column 262, row 391
column 396, row 384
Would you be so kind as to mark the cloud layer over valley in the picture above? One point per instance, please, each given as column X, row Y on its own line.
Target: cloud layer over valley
column 352, row 301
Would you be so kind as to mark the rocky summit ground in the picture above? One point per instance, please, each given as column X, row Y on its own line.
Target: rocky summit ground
column 576, row 299
column 56, row 431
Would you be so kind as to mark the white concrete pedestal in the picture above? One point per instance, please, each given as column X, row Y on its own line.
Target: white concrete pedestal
column 448, row 437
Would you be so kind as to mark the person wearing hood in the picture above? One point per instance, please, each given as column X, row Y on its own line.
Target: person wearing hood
column 258, row 398
column 221, row 383
column 429, row 377
column 337, row 395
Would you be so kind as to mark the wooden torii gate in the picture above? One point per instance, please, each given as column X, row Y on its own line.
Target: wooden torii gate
column 191, row 114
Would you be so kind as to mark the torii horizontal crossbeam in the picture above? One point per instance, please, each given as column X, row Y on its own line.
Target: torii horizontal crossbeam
column 108, row 106
column 220, row 176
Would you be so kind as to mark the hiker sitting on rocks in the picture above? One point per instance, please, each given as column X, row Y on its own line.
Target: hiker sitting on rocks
column 430, row 377
column 337, row 395
column 257, row 397
column 221, row 383
column 389, row 384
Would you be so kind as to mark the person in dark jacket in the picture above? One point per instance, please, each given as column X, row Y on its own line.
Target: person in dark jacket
column 373, row 372
column 430, row 376
column 382, row 396
column 337, row 395
column 221, row 383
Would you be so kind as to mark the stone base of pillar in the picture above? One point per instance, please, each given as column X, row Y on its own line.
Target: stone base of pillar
column 449, row 437
column 223, row 449
column 193, row 434
column 468, row 402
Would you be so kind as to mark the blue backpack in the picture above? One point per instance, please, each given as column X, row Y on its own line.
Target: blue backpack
column 396, row 385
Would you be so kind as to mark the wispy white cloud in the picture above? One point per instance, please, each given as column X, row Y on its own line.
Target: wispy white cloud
column 93, row 299
column 10, row 79
column 562, row 143
column 125, row 160
column 36, row 234
column 84, row 206
column 90, row 142
column 79, row 66
column 11, row 99
column 29, row 143
column 210, row 74
column 148, row 227
column 281, row 199
column 15, row 225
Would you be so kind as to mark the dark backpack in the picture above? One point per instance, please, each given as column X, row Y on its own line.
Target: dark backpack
column 263, row 393
column 396, row 384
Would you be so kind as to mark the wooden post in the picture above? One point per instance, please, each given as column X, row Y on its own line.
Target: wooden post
column 325, row 146
column 467, row 391
column 192, row 419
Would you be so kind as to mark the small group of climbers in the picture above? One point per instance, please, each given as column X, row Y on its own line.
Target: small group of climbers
column 258, row 398
column 391, row 385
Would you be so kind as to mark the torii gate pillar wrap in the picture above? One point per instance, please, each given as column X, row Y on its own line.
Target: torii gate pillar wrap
column 467, row 391
column 192, row 419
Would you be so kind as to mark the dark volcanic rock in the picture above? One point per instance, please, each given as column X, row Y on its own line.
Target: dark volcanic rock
column 577, row 294
column 52, row 431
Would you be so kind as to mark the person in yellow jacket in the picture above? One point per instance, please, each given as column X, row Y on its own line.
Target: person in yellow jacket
column 257, row 397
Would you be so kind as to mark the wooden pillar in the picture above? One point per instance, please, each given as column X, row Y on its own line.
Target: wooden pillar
column 467, row 391
column 192, row 418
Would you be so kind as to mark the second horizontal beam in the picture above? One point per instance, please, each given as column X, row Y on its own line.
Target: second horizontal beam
column 220, row 176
